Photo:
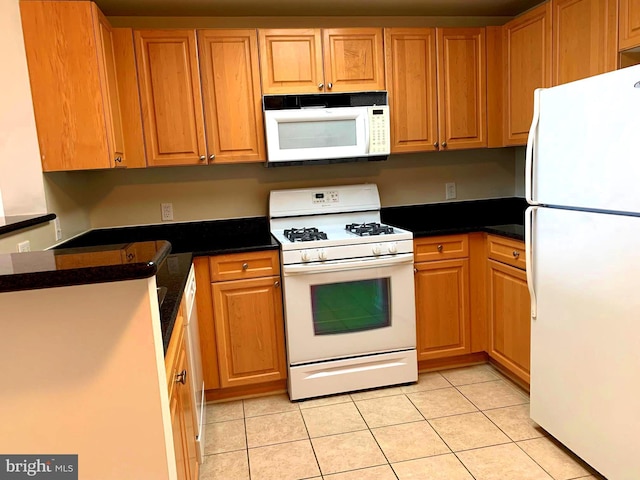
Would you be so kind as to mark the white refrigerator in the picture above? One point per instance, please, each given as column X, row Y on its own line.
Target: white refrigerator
column 583, row 265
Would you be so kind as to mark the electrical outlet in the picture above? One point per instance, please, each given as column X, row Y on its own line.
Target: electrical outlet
column 167, row 211
column 58, row 228
column 450, row 190
column 24, row 246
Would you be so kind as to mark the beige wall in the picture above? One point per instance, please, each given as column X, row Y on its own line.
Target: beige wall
column 20, row 172
column 223, row 191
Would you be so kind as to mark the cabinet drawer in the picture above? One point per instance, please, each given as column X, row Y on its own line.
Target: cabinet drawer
column 238, row 266
column 506, row 251
column 441, row 248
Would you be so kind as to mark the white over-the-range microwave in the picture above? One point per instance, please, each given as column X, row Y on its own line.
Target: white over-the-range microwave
column 326, row 128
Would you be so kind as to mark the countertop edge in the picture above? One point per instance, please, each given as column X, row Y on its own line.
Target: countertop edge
column 22, row 223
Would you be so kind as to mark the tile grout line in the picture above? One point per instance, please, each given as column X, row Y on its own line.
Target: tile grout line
column 246, row 439
column 375, row 439
column 311, row 443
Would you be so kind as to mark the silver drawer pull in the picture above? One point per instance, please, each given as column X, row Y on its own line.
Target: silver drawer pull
column 516, row 254
column 439, row 247
column 245, row 266
column 276, row 284
column 181, row 377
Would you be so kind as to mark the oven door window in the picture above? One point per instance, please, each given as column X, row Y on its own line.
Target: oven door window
column 350, row 306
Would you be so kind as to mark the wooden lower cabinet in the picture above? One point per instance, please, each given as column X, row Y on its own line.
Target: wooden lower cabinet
column 180, row 407
column 249, row 330
column 442, row 283
column 442, row 309
column 509, row 318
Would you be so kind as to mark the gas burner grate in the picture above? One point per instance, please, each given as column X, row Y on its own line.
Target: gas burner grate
column 304, row 234
column 366, row 229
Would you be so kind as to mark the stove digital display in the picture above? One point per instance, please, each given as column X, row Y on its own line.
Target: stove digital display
column 319, row 196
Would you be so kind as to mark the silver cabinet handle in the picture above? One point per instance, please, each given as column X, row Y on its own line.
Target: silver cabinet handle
column 276, row 284
column 444, row 144
column 329, row 85
column 118, row 159
column 516, row 254
column 439, row 247
column 435, row 145
column 415, row 270
column 245, row 266
column 181, row 377
column 320, row 86
column 130, row 256
column 212, row 156
column 203, row 158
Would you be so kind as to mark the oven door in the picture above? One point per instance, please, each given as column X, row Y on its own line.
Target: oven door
column 349, row 308
column 316, row 133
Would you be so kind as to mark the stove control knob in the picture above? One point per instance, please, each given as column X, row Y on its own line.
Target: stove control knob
column 305, row 256
column 393, row 248
column 377, row 249
column 322, row 254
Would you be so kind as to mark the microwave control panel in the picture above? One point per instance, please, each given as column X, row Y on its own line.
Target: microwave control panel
column 379, row 141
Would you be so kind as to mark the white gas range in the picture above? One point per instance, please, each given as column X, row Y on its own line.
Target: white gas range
column 348, row 291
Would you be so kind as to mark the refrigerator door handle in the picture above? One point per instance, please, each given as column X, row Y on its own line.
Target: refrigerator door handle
column 531, row 141
column 529, row 222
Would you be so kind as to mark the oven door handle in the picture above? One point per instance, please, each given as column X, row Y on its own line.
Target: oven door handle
column 343, row 265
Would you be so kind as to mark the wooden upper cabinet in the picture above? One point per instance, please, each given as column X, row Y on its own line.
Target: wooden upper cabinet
column 629, row 24
column 315, row 61
column 462, row 95
column 170, row 97
column 291, row 60
column 353, row 59
column 231, row 93
column 72, row 73
column 526, row 66
column 410, row 55
column 584, row 38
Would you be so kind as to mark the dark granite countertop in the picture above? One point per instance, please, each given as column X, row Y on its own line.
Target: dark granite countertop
column 172, row 275
column 78, row 266
column 204, row 238
column 13, row 223
column 501, row 216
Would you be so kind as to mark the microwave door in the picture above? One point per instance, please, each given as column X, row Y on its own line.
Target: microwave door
column 316, row 134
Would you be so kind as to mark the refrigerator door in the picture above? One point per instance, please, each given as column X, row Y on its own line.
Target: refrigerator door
column 586, row 144
column 585, row 339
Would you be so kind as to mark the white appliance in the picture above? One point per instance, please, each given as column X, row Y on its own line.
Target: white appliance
column 326, row 128
column 583, row 266
column 348, row 291
column 194, row 361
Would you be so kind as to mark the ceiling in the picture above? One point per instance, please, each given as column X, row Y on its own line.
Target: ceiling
column 252, row 8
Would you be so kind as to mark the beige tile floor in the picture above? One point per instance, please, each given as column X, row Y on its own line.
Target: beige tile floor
column 461, row 424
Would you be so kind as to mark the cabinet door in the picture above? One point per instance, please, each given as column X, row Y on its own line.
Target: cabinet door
column 462, row 91
column 250, row 331
column 629, row 24
column 509, row 318
column 178, row 401
column 527, row 66
column 231, row 93
column 107, row 67
column 68, row 85
column 291, row 60
column 170, row 97
column 442, row 309
column 411, row 81
column 584, row 38
column 353, row 59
